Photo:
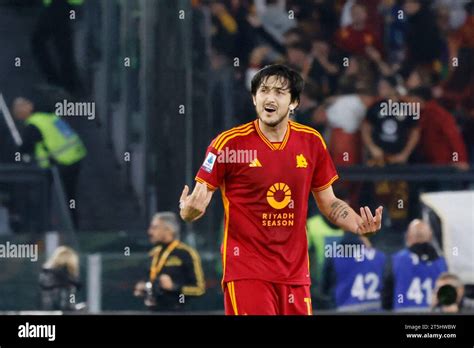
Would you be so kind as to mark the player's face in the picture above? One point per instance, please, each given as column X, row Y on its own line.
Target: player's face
column 273, row 101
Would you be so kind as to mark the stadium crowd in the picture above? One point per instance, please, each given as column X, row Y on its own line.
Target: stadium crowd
column 354, row 55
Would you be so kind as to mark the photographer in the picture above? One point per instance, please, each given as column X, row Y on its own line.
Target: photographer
column 175, row 270
column 413, row 271
column 448, row 296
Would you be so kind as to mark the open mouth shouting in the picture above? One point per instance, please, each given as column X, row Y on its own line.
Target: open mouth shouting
column 270, row 109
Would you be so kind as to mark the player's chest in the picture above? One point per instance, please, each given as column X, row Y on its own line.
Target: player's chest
column 265, row 167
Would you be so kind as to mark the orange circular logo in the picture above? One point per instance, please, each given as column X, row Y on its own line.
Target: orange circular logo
column 279, row 189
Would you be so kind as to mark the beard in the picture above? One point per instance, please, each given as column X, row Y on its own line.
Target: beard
column 276, row 122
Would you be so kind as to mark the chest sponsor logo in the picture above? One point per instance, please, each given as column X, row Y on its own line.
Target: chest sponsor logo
column 301, row 161
column 279, row 197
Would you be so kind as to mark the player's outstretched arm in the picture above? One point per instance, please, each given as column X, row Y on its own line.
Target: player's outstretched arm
column 342, row 215
column 193, row 206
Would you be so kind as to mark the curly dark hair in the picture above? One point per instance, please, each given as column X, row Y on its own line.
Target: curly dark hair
column 289, row 78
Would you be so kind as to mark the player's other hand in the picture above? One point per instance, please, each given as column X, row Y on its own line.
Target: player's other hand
column 369, row 224
column 193, row 206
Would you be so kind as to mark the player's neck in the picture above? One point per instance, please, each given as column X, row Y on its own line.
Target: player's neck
column 274, row 134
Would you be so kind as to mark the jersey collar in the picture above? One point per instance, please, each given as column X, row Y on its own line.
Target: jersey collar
column 268, row 142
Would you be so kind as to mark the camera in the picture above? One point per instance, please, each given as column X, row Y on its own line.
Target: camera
column 447, row 295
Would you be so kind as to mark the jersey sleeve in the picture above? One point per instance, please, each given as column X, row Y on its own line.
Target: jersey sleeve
column 212, row 169
column 324, row 172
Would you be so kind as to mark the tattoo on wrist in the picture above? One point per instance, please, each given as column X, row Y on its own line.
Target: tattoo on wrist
column 339, row 209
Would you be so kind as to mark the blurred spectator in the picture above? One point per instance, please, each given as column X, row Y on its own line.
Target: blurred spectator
column 56, row 14
column 52, row 142
column 346, row 16
column 457, row 95
column 274, row 17
column 293, row 36
column 394, row 30
column 441, row 142
column 175, row 271
column 376, row 58
column 358, row 36
column 457, row 91
column 344, row 117
column 358, row 76
column 410, row 281
column 261, row 38
column 321, row 234
column 224, row 30
column 317, row 18
column 455, row 10
column 464, row 36
column 246, row 37
column 419, row 76
column 390, row 138
column 306, row 111
column 372, row 7
column 354, row 281
column 59, row 280
column 299, row 57
column 424, row 44
column 325, row 68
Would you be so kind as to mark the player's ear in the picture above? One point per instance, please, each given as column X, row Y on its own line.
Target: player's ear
column 294, row 104
column 254, row 100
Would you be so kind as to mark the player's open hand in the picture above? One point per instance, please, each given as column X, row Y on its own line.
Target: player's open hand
column 193, row 206
column 369, row 224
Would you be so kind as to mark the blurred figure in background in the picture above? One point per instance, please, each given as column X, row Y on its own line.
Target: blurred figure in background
column 410, row 282
column 456, row 94
column 59, row 280
column 175, row 271
column 357, row 37
column 424, row 45
column 52, row 142
column 441, row 142
column 353, row 274
column 54, row 25
column 321, row 233
column 390, row 139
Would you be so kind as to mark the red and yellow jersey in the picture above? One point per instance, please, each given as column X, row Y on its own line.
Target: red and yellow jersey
column 265, row 188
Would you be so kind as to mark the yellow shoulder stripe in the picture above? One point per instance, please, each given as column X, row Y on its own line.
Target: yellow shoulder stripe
column 233, row 135
column 310, row 131
column 235, row 129
column 302, row 126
